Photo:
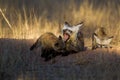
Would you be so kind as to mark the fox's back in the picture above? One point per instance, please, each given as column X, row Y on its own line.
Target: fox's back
column 48, row 39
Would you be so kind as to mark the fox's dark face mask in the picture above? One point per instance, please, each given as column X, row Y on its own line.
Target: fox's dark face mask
column 66, row 34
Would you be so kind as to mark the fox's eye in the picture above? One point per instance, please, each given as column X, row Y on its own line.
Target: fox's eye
column 56, row 44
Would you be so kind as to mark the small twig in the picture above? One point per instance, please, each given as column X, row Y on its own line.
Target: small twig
column 10, row 26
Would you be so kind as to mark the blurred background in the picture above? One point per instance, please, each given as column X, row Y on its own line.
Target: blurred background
column 28, row 19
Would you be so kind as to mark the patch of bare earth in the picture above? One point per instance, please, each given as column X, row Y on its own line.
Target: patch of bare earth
column 17, row 62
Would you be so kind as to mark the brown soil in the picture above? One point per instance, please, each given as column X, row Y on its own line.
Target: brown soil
column 19, row 63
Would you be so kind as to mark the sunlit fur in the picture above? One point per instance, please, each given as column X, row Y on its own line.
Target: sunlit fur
column 105, row 41
column 100, row 38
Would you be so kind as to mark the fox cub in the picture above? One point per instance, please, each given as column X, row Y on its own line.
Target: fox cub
column 50, row 45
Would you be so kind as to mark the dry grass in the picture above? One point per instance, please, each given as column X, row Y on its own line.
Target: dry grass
column 26, row 27
column 19, row 63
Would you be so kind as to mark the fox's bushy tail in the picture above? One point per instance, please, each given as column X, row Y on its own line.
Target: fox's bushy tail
column 34, row 45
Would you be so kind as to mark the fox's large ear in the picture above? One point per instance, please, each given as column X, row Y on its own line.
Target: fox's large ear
column 79, row 25
column 66, row 23
column 60, row 37
column 111, row 37
column 67, row 26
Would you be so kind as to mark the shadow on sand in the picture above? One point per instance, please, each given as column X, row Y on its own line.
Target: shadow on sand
column 17, row 62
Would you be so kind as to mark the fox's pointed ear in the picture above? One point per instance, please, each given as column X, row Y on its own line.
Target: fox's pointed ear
column 111, row 37
column 66, row 24
column 60, row 37
column 82, row 22
column 79, row 25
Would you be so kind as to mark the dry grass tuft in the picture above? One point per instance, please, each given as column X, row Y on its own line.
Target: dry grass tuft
column 31, row 26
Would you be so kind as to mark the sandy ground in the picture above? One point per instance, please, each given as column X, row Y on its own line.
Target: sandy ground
column 19, row 63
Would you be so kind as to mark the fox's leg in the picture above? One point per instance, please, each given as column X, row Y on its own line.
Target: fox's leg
column 49, row 54
column 94, row 44
column 80, row 41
